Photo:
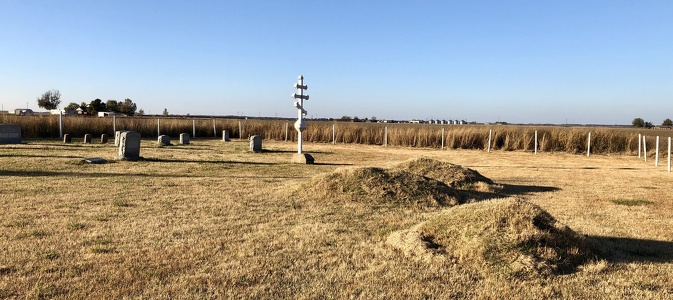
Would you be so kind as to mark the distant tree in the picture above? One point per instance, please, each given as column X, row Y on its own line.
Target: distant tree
column 356, row 119
column 50, row 99
column 667, row 123
column 638, row 122
column 373, row 119
column 127, row 107
column 72, row 106
column 141, row 112
column 165, row 113
column 95, row 106
column 112, row 106
column 648, row 125
column 345, row 119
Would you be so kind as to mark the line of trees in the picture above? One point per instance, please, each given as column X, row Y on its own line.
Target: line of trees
column 639, row 122
column 52, row 98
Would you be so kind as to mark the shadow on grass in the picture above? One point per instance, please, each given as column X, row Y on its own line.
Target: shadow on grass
column 37, row 156
column 139, row 175
column 627, row 250
column 513, row 189
column 223, row 162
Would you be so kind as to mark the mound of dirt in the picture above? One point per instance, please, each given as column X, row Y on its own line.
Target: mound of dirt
column 377, row 185
column 505, row 236
column 452, row 175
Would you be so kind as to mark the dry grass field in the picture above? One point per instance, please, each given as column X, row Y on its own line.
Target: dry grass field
column 212, row 220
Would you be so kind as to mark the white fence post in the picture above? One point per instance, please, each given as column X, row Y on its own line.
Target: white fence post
column 490, row 132
column 114, row 123
column 158, row 126
column 193, row 128
column 286, row 129
column 589, row 144
column 214, row 129
column 535, row 141
column 644, row 148
column 385, row 137
column 656, row 151
column 240, row 130
column 669, row 154
column 333, row 134
column 639, row 145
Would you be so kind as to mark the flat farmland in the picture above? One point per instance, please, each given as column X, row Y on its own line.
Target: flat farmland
column 212, row 220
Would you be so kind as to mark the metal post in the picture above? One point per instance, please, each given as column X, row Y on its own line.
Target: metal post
column 639, row 146
column 214, row 129
column 286, row 130
column 114, row 123
column 240, row 130
column 490, row 132
column 60, row 124
column 333, row 134
column 158, row 127
column 193, row 128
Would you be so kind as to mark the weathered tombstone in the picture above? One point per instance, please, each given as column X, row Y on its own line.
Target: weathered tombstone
column 67, row 139
column 103, row 138
column 87, row 138
column 184, row 139
column 225, row 135
column 129, row 145
column 117, row 136
column 256, row 143
column 164, row 140
column 10, row 134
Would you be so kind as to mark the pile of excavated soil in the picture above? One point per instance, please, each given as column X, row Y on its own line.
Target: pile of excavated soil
column 382, row 186
column 506, row 236
column 452, row 175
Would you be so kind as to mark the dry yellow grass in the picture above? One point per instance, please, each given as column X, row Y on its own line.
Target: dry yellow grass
column 211, row 220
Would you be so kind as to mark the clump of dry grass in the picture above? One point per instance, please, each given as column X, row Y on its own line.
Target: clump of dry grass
column 381, row 186
column 509, row 236
column 452, row 175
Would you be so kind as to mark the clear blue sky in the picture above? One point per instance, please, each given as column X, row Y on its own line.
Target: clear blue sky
column 589, row 62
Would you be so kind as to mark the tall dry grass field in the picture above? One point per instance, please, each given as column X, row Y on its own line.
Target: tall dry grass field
column 604, row 140
column 212, row 220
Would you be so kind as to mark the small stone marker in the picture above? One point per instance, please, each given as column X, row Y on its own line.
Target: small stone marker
column 117, row 136
column 10, row 134
column 87, row 138
column 67, row 139
column 103, row 138
column 164, row 140
column 95, row 160
column 129, row 145
column 256, row 143
column 184, row 139
column 225, row 136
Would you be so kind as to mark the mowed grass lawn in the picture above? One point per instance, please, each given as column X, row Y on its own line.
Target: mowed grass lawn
column 212, row 220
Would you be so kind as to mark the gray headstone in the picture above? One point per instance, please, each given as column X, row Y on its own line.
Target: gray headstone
column 129, row 145
column 117, row 136
column 103, row 138
column 67, row 139
column 95, row 160
column 225, row 136
column 164, row 140
column 10, row 134
column 256, row 143
column 184, row 139
column 87, row 138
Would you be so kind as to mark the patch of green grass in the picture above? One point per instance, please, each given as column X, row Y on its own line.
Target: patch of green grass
column 632, row 202
column 51, row 254
column 37, row 233
column 76, row 226
column 121, row 203
column 101, row 249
